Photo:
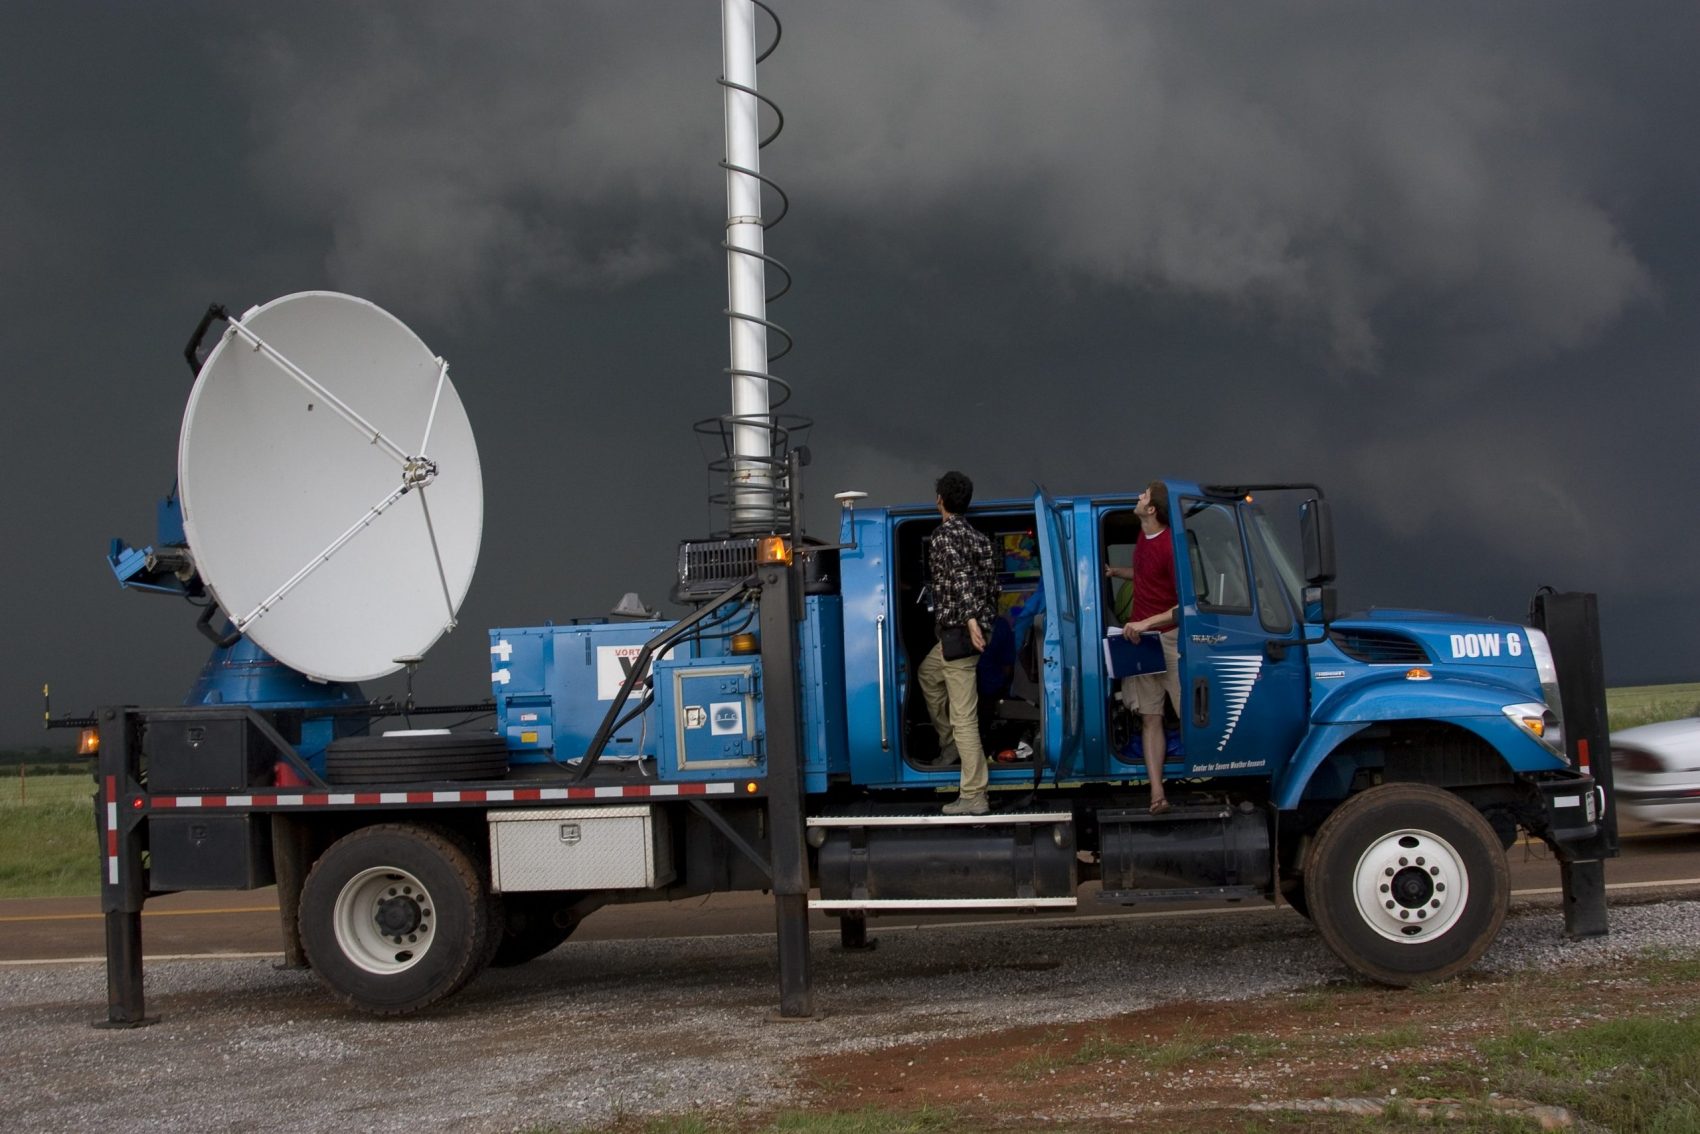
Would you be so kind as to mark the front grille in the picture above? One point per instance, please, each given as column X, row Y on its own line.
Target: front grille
column 1379, row 647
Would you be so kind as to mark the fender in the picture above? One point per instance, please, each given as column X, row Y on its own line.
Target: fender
column 1474, row 705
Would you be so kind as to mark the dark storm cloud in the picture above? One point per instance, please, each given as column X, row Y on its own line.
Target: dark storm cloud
column 1324, row 166
column 1329, row 166
column 459, row 157
column 1438, row 258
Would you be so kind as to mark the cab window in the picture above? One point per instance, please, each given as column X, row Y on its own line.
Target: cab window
column 1273, row 613
column 1216, row 557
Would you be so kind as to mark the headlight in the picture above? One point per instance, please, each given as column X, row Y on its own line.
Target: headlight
column 1538, row 721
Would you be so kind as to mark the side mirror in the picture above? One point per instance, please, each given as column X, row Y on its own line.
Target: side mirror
column 1320, row 604
column 1316, row 528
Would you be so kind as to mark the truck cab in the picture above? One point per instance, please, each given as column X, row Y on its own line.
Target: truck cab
column 1277, row 702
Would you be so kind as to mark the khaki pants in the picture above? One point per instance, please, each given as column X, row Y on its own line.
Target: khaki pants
column 953, row 701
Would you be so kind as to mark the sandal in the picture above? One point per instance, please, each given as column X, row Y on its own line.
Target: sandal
column 1160, row 807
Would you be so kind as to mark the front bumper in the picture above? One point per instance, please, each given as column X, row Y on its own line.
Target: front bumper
column 1573, row 808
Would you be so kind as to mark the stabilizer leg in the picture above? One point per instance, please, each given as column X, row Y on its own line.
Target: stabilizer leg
column 1584, row 885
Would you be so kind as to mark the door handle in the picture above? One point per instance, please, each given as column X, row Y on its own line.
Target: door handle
column 1201, row 701
column 879, row 635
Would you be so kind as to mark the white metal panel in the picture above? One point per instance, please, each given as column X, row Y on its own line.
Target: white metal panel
column 579, row 848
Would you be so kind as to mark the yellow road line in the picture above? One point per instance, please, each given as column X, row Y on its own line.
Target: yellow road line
column 145, row 913
column 151, row 957
column 1657, row 882
column 1659, row 831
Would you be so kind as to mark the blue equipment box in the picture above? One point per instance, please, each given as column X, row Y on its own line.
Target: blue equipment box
column 711, row 725
column 553, row 684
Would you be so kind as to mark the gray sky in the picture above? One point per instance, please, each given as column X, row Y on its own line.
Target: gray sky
column 1442, row 259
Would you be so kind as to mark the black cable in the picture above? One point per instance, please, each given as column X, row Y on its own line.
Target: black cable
column 473, row 717
column 642, row 707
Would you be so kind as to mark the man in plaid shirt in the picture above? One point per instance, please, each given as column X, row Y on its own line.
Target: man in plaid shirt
column 963, row 576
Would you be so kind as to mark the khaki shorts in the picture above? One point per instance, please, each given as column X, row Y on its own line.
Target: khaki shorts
column 1143, row 693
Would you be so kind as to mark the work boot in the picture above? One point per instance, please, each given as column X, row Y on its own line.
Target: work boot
column 948, row 757
column 968, row 805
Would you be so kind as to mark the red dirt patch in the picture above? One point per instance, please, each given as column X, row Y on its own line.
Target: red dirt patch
column 1193, row 1066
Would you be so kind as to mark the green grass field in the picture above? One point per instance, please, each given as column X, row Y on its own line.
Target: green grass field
column 49, row 849
column 1646, row 704
column 48, row 844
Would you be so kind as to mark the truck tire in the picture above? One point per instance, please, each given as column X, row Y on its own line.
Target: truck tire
column 532, row 925
column 415, row 759
column 1407, row 884
column 395, row 917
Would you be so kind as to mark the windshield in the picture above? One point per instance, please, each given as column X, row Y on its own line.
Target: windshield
column 1280, row 553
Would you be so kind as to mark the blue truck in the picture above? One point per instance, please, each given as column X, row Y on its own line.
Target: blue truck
column 1368, row 770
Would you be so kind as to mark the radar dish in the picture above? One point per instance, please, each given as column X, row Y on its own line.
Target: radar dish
column 330, row 486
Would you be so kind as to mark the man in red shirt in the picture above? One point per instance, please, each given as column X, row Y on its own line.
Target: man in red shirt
column 1155, row 603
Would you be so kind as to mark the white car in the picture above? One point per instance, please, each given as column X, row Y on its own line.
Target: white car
column 1656, row 769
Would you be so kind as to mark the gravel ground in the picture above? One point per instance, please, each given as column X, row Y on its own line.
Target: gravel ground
column 600, row 1029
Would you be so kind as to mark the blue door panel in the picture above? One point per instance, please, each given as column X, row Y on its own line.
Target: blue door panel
column 1060, row 708
column 1244, row 688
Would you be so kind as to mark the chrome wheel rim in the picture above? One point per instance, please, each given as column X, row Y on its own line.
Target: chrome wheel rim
column 1411, row 886
column 385, row 920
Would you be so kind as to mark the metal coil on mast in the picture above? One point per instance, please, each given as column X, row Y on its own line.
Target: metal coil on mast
column 757, row 495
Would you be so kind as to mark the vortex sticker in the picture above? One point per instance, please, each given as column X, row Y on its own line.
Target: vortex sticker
column 1236, row 674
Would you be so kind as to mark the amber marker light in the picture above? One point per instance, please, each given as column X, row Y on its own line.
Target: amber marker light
column 745, row 643
column 1534, row 718
column 750, row 787
column 1418, row 675
column 773, row 549
column 88, row 742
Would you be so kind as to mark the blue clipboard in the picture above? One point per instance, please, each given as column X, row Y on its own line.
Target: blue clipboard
column 1125, row 658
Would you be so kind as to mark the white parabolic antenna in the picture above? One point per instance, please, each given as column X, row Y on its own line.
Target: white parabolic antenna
column 330, row 486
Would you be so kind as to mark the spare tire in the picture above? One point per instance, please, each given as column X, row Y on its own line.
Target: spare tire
column 416, row 758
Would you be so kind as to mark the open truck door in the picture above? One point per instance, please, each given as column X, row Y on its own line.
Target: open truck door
column 1059, row 706
column 1242, row 652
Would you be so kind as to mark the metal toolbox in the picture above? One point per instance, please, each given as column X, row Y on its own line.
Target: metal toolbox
column 210, row 852
column 580, row 848
column 196, row 751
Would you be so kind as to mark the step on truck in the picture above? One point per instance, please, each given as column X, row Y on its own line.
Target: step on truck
column 1370, row 770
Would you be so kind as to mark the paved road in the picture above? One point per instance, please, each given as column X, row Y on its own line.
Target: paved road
column 1660, row 859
